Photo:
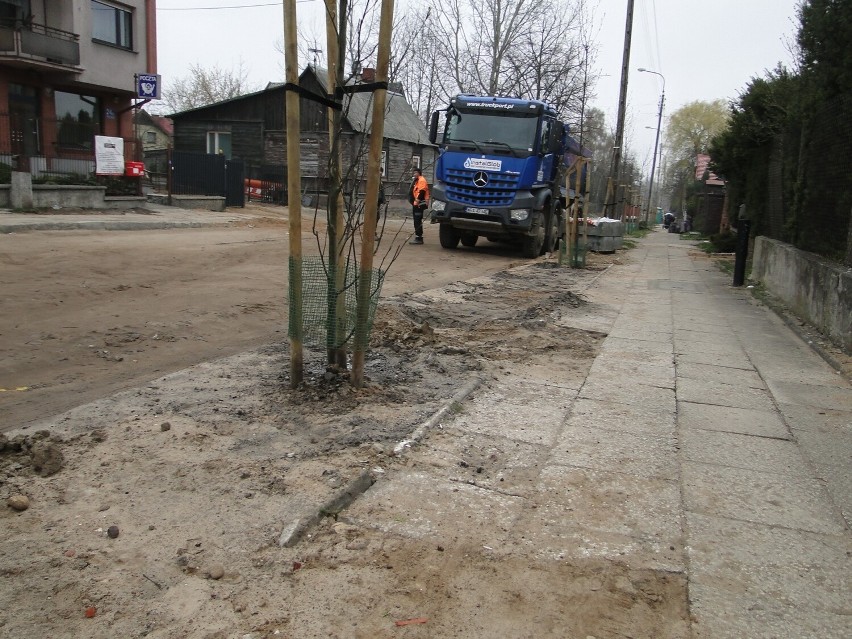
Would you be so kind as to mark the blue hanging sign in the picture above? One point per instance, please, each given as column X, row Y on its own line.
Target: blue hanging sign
column 148, row 86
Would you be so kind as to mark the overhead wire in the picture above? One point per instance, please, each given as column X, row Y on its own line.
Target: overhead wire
column 235, row 6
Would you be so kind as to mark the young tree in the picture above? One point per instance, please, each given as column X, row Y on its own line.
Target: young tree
column 205, row 85
column 689, row 132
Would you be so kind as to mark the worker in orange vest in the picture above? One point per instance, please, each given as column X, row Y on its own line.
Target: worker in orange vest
column 418, row 196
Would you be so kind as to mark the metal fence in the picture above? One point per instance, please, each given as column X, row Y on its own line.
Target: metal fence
column 207, row 174
column 54, row 151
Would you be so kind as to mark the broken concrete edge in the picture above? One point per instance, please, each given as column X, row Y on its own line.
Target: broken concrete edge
column 433, row 421
column 293, row 532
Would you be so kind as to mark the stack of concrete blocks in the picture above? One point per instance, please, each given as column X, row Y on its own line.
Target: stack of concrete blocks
column 606, row 236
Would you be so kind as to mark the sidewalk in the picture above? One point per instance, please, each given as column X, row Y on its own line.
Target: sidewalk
column 708, row 445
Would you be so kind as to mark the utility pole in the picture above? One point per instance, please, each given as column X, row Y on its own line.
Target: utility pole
column 656, row 140
column 615, row 168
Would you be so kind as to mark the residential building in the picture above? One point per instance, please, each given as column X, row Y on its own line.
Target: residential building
column 68, row 72
column 251, row 128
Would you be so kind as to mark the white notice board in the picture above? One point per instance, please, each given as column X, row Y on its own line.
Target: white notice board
column 109, row 155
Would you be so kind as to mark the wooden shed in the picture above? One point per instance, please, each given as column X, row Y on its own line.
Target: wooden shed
column 252, row 128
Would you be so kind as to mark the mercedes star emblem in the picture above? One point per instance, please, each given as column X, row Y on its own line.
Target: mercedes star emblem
column 480, row 179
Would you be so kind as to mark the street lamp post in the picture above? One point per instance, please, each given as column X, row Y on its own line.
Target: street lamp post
column 656, row 141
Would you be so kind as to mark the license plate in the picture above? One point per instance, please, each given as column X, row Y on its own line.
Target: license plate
column 475, row 211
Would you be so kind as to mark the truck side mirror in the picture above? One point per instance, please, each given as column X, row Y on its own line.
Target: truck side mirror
column 433, row 127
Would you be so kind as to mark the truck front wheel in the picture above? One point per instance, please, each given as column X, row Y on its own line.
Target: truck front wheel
column 469, row 239
column 552, row 233
column 532, row 244
column 448, row 236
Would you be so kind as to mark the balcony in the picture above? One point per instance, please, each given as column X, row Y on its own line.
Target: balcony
column 36, row 45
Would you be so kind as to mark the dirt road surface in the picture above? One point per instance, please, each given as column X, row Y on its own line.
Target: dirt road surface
column 89, row 313
column 164, row 476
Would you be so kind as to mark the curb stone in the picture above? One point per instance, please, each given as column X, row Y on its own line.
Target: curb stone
column 296, row 529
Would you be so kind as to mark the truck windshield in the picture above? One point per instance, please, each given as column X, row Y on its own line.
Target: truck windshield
column 515, row 131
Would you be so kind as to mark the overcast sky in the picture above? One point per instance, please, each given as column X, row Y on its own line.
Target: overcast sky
column 704, row 50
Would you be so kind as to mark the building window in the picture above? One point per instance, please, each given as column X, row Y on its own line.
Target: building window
column 78, row 120
column 112, row 24
column 219, row 142
column 384, row 163
column 415, row 161
column 14, row 11
column 150, row 137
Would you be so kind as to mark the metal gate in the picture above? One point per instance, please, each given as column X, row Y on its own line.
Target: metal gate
column 207, row 174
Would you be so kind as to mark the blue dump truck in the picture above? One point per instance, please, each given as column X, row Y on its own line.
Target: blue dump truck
column 500, row 173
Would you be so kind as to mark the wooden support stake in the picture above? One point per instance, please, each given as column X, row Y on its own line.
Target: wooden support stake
column 294, row 203
column 374, row 163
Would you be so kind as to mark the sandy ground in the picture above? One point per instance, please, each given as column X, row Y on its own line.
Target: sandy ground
column 170, row 473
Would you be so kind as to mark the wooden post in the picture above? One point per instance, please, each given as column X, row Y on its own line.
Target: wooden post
column 294, row 202
column 578, row 187
column 585, row 205
column 336, row 316
column 566, row 221
column 374, row 163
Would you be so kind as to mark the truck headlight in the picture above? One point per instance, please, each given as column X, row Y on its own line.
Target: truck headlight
column 438, row 205
column 519, row 215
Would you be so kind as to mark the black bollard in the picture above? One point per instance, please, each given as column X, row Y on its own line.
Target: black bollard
column 743, row 232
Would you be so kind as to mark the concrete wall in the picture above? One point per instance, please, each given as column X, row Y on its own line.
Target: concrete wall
column 816, row 290
column 47, row 196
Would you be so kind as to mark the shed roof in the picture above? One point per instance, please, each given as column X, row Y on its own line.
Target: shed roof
column 401, row 122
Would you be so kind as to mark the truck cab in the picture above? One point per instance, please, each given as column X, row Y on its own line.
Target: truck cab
column 498, row 173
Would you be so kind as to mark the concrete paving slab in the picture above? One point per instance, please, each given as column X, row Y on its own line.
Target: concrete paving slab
column 530, row 413
column 722, row 610
column 638, row 347
column 760, row 423
column 727, row 347
column 824, row 420
column 716, row 359
column 708, row 392
column 828, row 397
column 648, row 334
column 597, row 319
column 628, row 418
column 420, row 505
column 607, row 366
column 646, row 508
column 768, row 568
column 763, row 498
column 584, row 446
column 628, row 392
column 720, row 331
column 552, row 540
column 707, row 340
column 561, row 377
column 816, row 373
column 720, row 374
column 677, row 285
column 795, row 364
column 744, row 451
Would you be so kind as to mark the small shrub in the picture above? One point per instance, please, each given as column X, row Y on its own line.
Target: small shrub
column 723, row 242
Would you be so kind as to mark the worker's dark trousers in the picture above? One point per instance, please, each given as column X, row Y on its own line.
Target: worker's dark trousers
column 417, row 214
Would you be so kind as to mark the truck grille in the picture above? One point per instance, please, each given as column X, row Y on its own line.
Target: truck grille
column 500, row 190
